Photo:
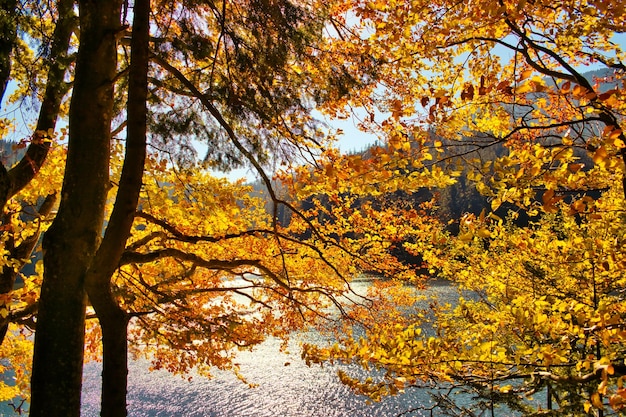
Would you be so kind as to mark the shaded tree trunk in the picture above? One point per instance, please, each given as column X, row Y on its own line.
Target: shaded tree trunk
column 71, row 242
column 114, row 324
column 13, row 180
column 113, row 320
column 18, row 177
column 8, row 37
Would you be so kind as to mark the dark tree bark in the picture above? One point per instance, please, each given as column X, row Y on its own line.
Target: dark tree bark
column 71, row 242
column 18, row 177
column 13, row 180
column 8, row 37
column 113, row 320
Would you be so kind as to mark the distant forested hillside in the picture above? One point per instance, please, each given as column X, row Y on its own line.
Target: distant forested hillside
column 462, row 197
column 10, row 152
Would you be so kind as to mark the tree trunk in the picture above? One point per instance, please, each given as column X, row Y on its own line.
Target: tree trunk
column 19, row 176
column 8, row 37
column 71, row 242
column 114, row 324
column 113, row 320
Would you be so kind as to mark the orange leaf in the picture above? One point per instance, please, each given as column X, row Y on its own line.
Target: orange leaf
column 600, row 155
column 607, row 95
column 547, row 197
column 525, row 74
column 468, row 93
column 596, row 400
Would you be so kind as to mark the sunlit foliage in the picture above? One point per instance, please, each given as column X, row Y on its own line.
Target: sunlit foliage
column 503, row 95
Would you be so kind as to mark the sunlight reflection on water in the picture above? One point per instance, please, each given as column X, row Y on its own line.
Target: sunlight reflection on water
column 286, row 387
column 292, row 391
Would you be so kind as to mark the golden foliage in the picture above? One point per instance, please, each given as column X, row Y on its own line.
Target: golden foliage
column 502, row 93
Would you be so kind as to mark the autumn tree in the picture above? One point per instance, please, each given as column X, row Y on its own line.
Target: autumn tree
column 238, row 77
column 18, row 63
column 546, row 312
column 243, row 77
column 518, row 79
column 27, row 199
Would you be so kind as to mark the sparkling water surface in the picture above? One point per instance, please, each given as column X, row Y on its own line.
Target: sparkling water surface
column 285, row 387
column 293, row 390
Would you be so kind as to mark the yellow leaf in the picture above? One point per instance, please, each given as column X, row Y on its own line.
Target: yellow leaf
column 579, row 91
column 8, row 392
column 506, row 388
column 596, row 400
column 524, row 88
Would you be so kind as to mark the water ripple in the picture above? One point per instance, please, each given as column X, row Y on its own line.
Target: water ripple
column 295, row 390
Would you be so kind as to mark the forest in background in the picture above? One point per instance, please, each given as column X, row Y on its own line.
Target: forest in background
column 461, row 197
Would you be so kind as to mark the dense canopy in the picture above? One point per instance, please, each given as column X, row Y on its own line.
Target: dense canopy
column 499, row 168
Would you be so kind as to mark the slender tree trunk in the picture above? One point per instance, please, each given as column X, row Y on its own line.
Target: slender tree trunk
column 20, row 175
column 113, row 320
column 71, row 242
column 7, row 281
column 14, row 180
column 8, row 37
column 114, row 324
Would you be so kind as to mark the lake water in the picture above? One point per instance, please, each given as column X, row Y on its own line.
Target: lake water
column 293, row 390
column 286, row 387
